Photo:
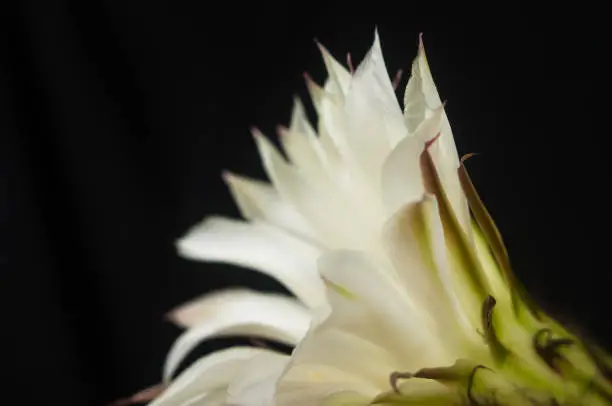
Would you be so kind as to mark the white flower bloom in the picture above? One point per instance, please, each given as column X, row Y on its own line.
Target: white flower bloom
column 404, row 296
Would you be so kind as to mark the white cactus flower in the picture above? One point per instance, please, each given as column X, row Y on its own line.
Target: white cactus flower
column 403, row 288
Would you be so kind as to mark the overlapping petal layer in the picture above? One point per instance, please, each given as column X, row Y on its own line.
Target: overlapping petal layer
column 367, row 222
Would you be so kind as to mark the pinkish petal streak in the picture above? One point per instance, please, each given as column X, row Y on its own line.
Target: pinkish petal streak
column 349, row 62
column 144, row 396
column 397, row 78
column 431, row 141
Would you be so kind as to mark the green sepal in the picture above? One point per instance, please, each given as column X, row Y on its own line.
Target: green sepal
column 485, row 222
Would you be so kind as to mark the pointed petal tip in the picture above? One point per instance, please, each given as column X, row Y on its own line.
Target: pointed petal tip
column 184, row 245
column 179, row 246
column 321, row 47
column 281, row 130
column 349, row 63
column 170, row 317
column 257, row 135
column 440, row 109
column 397, row 78
column 173, row 316
column 227, row 176
column 310, row 83
column 376, row 43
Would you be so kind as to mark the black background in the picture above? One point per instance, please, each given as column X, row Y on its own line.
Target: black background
column 118, row 117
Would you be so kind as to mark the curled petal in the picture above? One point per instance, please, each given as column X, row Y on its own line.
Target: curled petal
column 240, row 313
column 261, row 247
column 210, row 374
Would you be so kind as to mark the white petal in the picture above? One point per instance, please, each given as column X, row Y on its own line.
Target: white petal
column 368, row 302
column 369, row 122
column 372, row 82
column 302, row 152
column 430, row 127
column 214, row 398
column 207, row 375
column 320, row 98
column 333, row 347
column 401, row 175
column 347, row 398
column 290, row 260
column 428, row 86
column 402, row 180
column 339, row 77
column 258, row 200
column 332, row 127
column 365, row 126
column 255, row 385
column 372, row 331
column 299, row 120
column 329, row 128
column 315, row 91
column 308, row 385
column 443, row 151
column 241, row 313
column 302, row 146
column 415, row 104
column 327, row 210
column 414, row 241
column 374, row 69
